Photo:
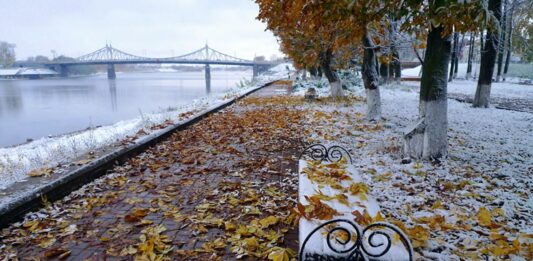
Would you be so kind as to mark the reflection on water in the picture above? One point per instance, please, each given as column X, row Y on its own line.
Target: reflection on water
column 113, row 94
column 38, row 108
column 11, row 101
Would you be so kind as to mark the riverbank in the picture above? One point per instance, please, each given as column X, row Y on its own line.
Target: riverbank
column 56, row 153
column 222, row 188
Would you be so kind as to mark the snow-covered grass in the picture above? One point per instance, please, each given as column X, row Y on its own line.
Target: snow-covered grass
column 516, row 73
column 490, row 166
column 49, row 152
column 510, row 94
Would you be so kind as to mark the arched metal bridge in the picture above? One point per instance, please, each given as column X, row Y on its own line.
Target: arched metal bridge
column 110, row 56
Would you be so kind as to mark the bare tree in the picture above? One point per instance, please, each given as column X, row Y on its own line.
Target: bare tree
column 7, row 54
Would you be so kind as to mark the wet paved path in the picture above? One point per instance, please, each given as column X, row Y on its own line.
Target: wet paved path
column 204, row 193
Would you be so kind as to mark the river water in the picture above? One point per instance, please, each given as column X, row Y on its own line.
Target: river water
column 31, row 109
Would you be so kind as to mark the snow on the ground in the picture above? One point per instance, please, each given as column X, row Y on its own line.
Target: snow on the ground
column 16, row 162
column 476, row 202
column 501, row 89
column 516, row 73
column 509, row 94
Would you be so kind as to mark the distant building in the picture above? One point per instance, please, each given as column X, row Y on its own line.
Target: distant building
column 26, row 73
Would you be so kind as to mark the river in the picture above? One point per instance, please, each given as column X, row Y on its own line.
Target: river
column 31, row 109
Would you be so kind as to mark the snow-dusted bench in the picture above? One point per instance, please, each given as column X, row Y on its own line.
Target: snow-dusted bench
column 341, row 237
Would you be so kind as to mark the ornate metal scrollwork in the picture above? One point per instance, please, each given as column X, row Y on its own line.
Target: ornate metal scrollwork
column 320, row 152
column 357, row 244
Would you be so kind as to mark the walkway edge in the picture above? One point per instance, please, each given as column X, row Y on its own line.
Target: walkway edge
column 73, row 180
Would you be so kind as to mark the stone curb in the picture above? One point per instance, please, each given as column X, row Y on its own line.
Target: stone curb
column 73, row 180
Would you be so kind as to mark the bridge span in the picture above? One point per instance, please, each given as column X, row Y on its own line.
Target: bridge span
column 110, row 56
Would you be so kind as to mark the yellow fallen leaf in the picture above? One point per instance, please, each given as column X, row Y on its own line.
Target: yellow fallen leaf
column 44, row 172
column 363, row 219
column 130, row 250
column 268, row 221
column 436, row 205
column 46, row 242
column 484, row 217
column 281, row 254
column 418, row 235
column 228, row 226
column 251, row 243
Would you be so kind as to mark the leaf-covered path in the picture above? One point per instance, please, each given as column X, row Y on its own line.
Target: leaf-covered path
column 221, row 189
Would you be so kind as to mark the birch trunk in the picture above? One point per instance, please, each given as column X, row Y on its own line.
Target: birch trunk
column 488, row 59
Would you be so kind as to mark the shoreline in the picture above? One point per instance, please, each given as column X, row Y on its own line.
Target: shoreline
column 64, row 183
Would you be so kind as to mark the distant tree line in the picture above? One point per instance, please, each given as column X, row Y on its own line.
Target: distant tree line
column 7, row 54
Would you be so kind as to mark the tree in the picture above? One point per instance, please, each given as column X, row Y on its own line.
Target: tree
column 488, row 58
column 502, row 41
column 470, row 55
column 7, row 54
column 370, row 78
column 509, row 28
column 328, row 30
column 395, row 55
column 368, row 15
column 455, row 56
column 428, row 138
column 522, row 41
column 309, row 33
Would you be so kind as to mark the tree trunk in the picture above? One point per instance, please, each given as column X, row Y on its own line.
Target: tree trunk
column 376, row 62
column 396, row 63
column 333, row 79
column 384, row 72
column 470, row 56
column 458, row 54
column 395, row 67
column 454, row 55
column 370, row 79
column 398, row 71
column 501, row 42
column 509, row 40
column 488, row 59
column 313, row 72
column 481, row 41
column 428, row 138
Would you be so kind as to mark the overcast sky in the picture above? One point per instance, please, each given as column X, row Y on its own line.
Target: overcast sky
column 158, row 28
